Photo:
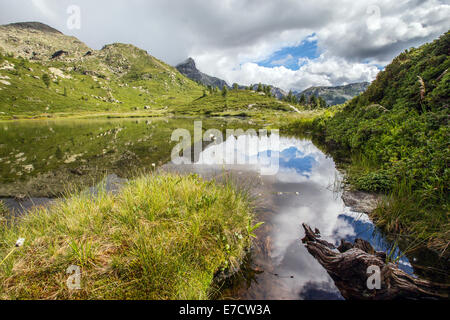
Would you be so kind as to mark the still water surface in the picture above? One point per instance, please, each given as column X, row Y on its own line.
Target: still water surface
column 306, row 189
column 38, row 160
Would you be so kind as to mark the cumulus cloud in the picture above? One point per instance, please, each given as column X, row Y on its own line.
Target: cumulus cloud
column 323, row 71
column 228, row 38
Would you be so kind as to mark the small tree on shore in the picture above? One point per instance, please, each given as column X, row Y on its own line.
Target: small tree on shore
column 302, row 100
column 312, row 101
column 46, row 80
column 322, row 103
column 260, row 88
column 224, row 92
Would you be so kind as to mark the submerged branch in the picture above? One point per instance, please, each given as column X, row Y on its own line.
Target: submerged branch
column 348, row 266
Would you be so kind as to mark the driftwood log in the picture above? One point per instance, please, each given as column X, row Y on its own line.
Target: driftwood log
column 348, row 266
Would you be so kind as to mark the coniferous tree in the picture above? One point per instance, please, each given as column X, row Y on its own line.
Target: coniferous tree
column 312, row 101
column 316, row 102
column 302, row 100
column 294, row 99
column 322, row 103
column 224, row 91
column 290, row 97
column 260, row 88
column 46, row 80
column 267, row 91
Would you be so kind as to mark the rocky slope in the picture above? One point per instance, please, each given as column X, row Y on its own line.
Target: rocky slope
column 39, row 42
column 189, row 69
column 336, row 95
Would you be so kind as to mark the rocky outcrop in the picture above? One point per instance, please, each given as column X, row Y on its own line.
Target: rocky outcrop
column 360, row 201
column 189, row 69
column 40, row 42
column 59, row 53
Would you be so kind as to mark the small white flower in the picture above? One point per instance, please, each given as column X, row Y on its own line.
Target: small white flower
column 154, row 165
column 20, row 242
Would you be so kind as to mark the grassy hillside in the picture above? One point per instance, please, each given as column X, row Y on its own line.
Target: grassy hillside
column 236, row 102
column 119, row 78
column 399, row 129
column 23, row 91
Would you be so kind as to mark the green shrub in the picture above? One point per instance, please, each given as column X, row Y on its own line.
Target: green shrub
column 378, row 181
column 400, row 124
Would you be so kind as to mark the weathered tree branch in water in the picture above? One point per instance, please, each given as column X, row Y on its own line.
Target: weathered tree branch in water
column 348, row 266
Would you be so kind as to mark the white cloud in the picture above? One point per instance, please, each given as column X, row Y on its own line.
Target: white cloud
column 323, row 71
column 282, row 61
column 227, row 37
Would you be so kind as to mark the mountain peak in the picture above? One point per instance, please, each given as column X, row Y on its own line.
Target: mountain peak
column 189, row 69
column 34, row 26
column 189, row 62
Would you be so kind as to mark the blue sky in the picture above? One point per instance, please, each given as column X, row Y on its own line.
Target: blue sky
column 289, row 56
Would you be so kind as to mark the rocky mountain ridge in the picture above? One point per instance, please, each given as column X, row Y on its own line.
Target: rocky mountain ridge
column 189, row 69
column 336, row 95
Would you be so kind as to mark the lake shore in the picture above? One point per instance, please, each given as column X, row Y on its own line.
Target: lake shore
column 398, row 210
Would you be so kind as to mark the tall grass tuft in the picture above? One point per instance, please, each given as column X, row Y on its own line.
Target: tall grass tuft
column 161, row 237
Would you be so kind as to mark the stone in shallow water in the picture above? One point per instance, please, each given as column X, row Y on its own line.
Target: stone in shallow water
column 361, row 201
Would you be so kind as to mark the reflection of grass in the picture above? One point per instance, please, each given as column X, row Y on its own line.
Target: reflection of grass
column 161, row 237
column 3, row 210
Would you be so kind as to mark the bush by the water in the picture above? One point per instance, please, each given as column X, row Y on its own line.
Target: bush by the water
column 402, row 126
column 399, row 127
